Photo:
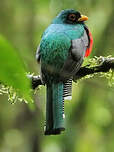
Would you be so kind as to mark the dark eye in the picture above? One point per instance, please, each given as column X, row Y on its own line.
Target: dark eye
column 72, row 17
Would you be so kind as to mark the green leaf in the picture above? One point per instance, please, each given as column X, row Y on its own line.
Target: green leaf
column 12, row 71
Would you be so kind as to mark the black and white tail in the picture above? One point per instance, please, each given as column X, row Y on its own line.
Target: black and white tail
column 67, row 92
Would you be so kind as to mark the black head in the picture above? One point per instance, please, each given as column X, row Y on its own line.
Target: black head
column 70, row 16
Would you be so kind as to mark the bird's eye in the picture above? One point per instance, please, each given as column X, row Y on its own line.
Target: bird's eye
column 72, row 17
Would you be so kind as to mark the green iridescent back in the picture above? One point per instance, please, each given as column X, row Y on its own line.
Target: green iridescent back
column 56, row 43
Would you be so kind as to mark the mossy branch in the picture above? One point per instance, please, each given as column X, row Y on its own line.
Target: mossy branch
column 97, row 65
column 102, row 65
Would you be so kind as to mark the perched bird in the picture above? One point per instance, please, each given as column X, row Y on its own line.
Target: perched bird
column 62, row 49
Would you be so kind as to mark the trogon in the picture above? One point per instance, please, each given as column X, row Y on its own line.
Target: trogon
column 61, row 52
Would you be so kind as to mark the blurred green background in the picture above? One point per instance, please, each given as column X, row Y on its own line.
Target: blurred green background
column 90, row 114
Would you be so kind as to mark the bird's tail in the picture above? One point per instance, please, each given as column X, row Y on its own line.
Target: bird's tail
column 67, row 93
column 54, row 108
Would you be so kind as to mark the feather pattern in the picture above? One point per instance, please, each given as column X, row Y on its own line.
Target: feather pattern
column 63, row 46
column 67, row 91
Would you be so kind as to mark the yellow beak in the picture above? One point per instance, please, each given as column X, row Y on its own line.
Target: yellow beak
column 83, row 18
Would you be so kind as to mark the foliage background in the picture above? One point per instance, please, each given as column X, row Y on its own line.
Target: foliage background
column 90, row 115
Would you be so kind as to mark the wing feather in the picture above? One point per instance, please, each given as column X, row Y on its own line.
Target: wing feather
column 76, row 55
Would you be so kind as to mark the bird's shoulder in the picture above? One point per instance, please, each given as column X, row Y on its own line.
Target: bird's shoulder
column 72, row 31
column 55, row 37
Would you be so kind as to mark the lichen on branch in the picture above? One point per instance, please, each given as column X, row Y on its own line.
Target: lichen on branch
column 102, row 65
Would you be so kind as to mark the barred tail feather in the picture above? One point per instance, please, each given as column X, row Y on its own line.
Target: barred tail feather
column 67, row 94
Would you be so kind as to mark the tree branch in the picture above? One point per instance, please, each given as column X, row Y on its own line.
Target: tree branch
column 36, row 81
column 104, row 65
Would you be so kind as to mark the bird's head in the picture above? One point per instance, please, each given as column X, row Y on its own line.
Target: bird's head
column 69, row 16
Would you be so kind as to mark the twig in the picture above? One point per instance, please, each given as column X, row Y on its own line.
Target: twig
column 36, row 81
column 104, row 66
